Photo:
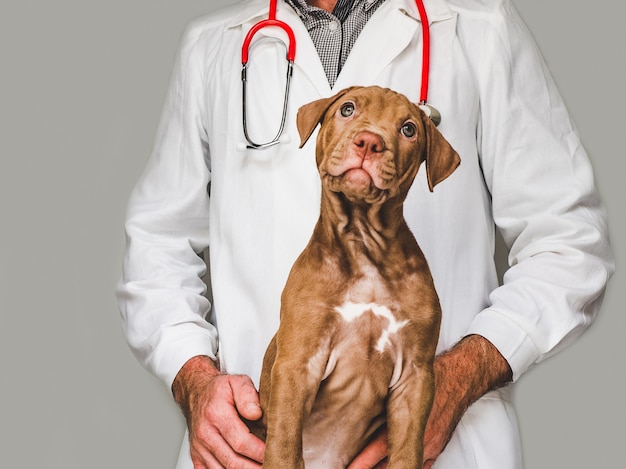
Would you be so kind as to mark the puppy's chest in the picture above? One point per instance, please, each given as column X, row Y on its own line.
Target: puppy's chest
column 373, row 326
column 368, row 292
column 367, row 325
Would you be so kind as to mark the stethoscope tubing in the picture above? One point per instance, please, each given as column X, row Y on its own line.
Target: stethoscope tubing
column 425, row 51
column 269, row 22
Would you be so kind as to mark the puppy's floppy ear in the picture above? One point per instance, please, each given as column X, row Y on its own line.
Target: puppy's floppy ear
column 441, row 159
column 313, row 113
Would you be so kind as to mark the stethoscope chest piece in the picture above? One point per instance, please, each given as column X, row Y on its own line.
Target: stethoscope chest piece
column 432, row 113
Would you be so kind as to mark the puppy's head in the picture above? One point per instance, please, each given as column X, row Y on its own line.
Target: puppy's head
column 372, row 142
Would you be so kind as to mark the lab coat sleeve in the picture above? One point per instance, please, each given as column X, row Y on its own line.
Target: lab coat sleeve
column 161, row 294
column 544, row 198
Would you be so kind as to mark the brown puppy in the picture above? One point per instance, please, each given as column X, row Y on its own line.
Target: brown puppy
column 360, row 315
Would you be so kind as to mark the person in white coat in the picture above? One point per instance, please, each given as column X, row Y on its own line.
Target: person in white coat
column 207, row 203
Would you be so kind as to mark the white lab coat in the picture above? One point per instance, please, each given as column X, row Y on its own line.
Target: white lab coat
column 522, row 166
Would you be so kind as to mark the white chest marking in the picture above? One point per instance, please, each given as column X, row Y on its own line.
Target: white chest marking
column 350, row 311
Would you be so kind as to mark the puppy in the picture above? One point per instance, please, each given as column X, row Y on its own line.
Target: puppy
column 359, row 319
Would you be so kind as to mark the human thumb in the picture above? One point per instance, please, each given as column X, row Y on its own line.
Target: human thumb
column 246, row 397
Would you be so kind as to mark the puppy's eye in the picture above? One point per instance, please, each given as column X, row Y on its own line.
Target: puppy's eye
column 408, row 130
column 347, row 109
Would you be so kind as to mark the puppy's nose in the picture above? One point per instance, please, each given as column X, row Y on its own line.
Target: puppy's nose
column 368, row 144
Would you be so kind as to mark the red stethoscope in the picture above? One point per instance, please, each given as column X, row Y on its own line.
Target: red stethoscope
column 271, row 21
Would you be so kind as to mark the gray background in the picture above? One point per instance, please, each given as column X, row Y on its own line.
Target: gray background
column 81, row 89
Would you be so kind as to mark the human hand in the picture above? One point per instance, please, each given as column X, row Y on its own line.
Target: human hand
column 214, row 405
column 462, row 375
column 437, row 434
column 439, row 428
column 374, row 455
column 442, row 421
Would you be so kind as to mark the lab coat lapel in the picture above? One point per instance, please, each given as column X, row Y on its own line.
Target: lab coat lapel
column 307, row 59
column 385, row 36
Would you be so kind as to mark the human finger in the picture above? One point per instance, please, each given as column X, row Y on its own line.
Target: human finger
column 210, row 449
column 246, row 397
column 238, row 437
column 204, row 460
column 374, row 454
